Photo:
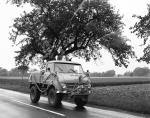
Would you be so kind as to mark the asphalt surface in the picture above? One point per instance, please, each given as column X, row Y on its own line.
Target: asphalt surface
column 17, row 105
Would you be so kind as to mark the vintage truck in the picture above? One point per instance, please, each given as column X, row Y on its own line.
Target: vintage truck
column 60, row 79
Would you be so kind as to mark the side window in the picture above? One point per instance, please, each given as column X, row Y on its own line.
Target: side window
column 49, row 67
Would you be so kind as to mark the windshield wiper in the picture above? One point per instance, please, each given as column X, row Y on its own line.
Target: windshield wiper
column 72, row 70
column 60, row 68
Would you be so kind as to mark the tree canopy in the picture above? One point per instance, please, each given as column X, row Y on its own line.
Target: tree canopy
column 56, row 28
column 142, row 29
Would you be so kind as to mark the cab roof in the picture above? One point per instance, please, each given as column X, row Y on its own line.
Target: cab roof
column 60, row 61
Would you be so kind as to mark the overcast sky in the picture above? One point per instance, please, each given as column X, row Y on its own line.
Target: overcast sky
column 126, row 8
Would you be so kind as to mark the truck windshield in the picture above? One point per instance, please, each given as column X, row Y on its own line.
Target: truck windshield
column 68, row 68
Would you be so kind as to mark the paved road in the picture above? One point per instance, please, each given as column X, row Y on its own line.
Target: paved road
column 18, row 105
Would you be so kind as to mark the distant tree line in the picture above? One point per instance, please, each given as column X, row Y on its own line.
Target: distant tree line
column 23, row 71
column 139, row 71
column 109, row 73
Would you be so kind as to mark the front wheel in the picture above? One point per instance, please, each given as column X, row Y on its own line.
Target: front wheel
column 54, row 99
column 81, row 101
column 34, row 94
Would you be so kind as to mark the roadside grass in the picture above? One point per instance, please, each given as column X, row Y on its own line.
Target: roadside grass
column 15, row 84
column 113, row 81
column 134, row 97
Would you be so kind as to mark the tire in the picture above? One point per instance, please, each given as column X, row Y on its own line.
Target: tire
column 34, row 94
column 81, row 101
column 54, row 99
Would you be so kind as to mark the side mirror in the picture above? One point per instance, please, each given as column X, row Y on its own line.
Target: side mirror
column 87, row 73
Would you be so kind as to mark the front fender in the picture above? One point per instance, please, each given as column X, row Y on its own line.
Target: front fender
column 53, row 80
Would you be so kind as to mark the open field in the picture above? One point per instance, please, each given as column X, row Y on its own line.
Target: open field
column 113, row 81
column 128, row 97
column 11, row 77
column 15, row 84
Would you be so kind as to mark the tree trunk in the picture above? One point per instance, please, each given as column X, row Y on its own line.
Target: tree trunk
column 60, row 57
column 22, row 75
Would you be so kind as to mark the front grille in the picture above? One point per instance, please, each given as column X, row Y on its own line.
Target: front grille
column 71, row 86
column 75, row 88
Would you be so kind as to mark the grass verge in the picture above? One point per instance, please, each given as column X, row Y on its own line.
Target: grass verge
column 134, row 98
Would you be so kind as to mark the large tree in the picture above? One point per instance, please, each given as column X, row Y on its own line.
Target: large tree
column 142, row 29
column 62, row 27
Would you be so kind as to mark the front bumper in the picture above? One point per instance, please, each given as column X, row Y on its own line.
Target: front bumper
column 82, row 89
column 77, row 90
column 64, row 91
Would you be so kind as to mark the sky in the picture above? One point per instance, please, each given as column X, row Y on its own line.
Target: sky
column 126, row 8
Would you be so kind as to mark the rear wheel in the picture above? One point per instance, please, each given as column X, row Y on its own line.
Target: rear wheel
column 34, row 94
column 81, row 101
column 54, row 99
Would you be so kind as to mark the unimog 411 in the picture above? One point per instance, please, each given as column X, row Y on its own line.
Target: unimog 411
column 60, row 79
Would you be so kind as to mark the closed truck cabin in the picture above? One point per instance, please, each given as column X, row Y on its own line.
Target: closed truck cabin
column 60, row 79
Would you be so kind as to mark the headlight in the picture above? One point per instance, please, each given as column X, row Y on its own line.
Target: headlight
column 89, row 85
column 63, row 86
column 82, row 86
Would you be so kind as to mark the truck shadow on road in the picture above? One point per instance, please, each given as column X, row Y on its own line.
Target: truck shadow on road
column 69, row 111
column 79, row 108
